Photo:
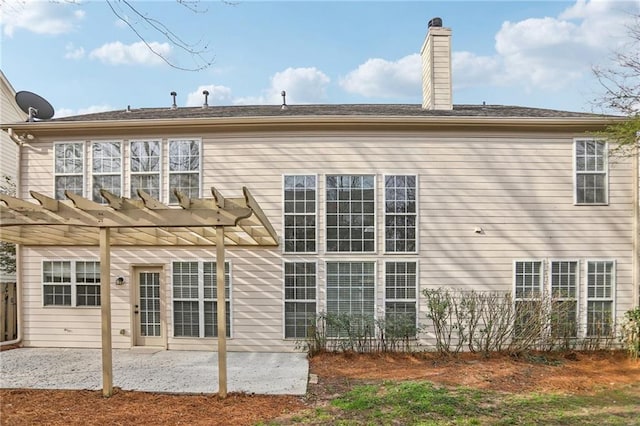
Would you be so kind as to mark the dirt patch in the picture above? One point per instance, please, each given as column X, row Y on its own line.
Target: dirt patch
column 568, row 373
column 565, row 373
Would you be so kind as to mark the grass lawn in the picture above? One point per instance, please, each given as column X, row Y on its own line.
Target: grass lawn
column 423, row 403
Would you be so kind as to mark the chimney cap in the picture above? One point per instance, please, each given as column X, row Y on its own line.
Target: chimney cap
column 435, row 22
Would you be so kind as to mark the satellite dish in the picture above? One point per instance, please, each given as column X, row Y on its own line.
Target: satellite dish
column 34, row 105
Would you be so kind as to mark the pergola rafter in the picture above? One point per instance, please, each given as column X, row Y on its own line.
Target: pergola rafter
column 216, row 221
column 144, row 222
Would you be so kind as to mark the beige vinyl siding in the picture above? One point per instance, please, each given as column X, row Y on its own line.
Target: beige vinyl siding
column 10, row 112
column 517, row 187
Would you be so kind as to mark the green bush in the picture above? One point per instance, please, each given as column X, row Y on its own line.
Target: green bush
column 630, row 332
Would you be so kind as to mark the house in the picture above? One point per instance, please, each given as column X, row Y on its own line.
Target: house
column 9, row 112
column 371, row 204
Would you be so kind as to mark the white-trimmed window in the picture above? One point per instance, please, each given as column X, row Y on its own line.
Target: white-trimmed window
column 350, row 209
column 145, row 166
column 299, row 298
column 70, row 283
column 195, row 299
column 184, row 168
column 401, row 298
column 591, row 172
column 564, row 298
column 600, row 294
column 106, row 168
column 300, row 194
column 400, row 213
column 68, row 169
column 351, row 294
column 528, row 292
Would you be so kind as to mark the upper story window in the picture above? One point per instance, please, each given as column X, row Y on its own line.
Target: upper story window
column 591, row 172
column 400, row 214
column 106, row 168
column 145, row 167
column 69, row 168
column 184, row 168
column 350, row 213
column 300, row 214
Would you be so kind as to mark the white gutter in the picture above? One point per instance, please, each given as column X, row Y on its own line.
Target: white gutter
column 636, row 222
column 314, row 121
column 18, row 338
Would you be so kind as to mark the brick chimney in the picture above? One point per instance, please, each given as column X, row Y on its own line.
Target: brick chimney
column 436, row 67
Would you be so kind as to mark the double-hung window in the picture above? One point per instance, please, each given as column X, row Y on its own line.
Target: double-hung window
column 528, row 292
column 564, row 298
column 195, row 299
column 350, row 205
column 400, row 299
column 351, row 297
column 600, row 293
column 106, row 170
column 184, row 168
column 300, row 214
column 591, row 172
column 145, row 167
column 299, row 299
column 71, row 283
column 400, row 213
column 68, row 169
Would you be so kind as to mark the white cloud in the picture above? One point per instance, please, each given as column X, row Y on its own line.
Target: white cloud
column 537, row 53
column 382, row 78
column 73, row 52
column 40, row 17
column 66, row 112
column 218, row 95
column 302, row 86
column 550, row 52
column 469, row 69
column 138, row 53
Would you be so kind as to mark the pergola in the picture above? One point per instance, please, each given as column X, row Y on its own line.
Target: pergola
column 123, row 221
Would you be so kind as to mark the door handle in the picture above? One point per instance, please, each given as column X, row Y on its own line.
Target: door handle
column 135, row 312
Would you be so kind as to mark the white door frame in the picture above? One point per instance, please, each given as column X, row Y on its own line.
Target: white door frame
column 136, row 338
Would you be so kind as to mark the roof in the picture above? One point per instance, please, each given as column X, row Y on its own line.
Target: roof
column 388, row 110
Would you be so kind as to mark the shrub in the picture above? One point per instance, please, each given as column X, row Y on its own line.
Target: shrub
column 355, row 333
column 630, row 332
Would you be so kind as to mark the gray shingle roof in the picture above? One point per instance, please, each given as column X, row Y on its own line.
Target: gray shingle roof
column 389, row 110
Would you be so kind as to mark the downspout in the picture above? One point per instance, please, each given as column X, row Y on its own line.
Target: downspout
column 18, row 338
column 636, row 222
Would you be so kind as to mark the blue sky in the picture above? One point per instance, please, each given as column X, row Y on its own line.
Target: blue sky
column 82, row 58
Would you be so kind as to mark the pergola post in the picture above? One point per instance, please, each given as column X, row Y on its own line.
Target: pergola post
column 105, row 310
column 222, row 313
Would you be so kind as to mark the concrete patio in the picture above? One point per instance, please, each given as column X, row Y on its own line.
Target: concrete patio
column 154, row 370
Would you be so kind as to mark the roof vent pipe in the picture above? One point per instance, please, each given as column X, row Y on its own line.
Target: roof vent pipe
column 435, row 22
column 284, row 100
column 174, row 105
column 206, row 96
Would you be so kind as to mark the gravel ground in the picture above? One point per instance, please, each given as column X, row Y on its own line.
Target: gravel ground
column 154, row 371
